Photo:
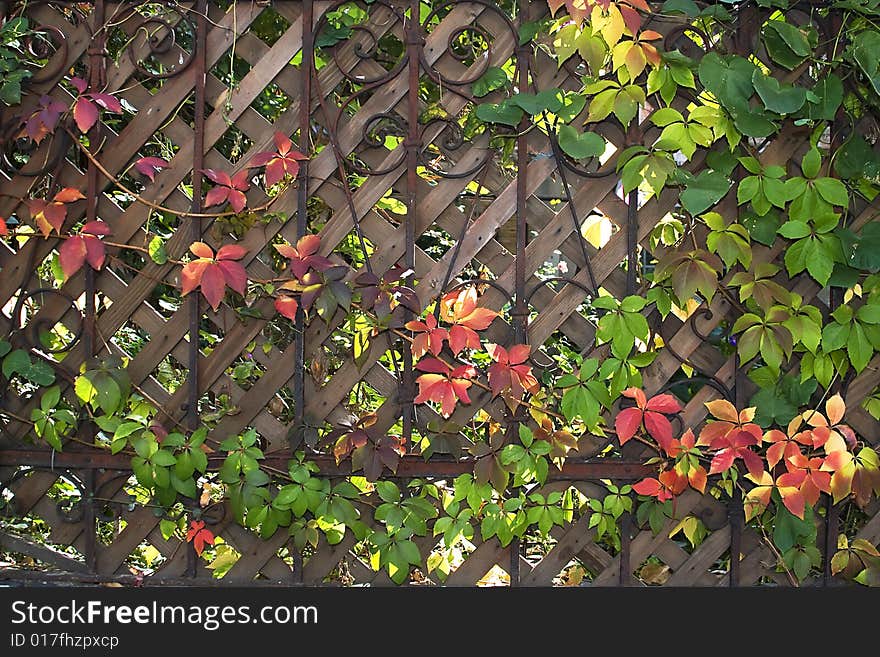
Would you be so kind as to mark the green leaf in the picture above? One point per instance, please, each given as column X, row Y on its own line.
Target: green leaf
column 858, row 347
column 829, row 91
column 789, row 530
column 580, row 145
column 762, row 229
column 163, row 458
column 777, row 98
column 503, row 113
column 832, row 190
column 794, row 230
column 786, row 44
column 157, row 250
column 494, row 78
column 728, row 78
column 528, row 31
column 704, row 191
column 811, row 163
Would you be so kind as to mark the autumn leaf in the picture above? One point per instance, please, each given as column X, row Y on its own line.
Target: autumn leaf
column 429, row 337
column 383, row 294
column 304, row 255
column 650, row 412
column 214, row 274
column 444, row 385
column 689, row 272
column 350, row 436
column 283, row 162
column 287, row 306
column 4, row 229
column 509, row 375
column 459, row 308
column 84, row 247
column 199, row 536
column 85, row 108
column 668, row 485
column 52, row 214
column 43, row 120
column 228, row 189
column 150, row 166
column 806, row 476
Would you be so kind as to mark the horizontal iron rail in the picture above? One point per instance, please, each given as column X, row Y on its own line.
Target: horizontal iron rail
column 410, row 466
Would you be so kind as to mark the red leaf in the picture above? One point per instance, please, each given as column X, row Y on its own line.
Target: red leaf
column 149, row 166
column 231, row 252
column 518, row 353
column 95, row 251
column 234, row 274
column 261, row 159
column 97, row 228
column 199, row 536
column 660, row 428
column 461, row 337
column 237, row 200
column 308, row 245
column 282, row 143
column 72, row 255
column 434, row 365
column 108, row 102
column 753, row 462
column 219, row 177
column 216, row 196
column 697, row 478
column 68, row 195
column 287, row 306
column 85, row 114
column 80, row 84
column 664, row 404
column 274, row 171
column 4, row 230
column 722, row 461
column 213, row 284
column 648, row 486
column 627, row 424
column 191, row 276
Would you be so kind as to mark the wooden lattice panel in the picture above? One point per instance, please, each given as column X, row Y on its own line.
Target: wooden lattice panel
column 161, row 110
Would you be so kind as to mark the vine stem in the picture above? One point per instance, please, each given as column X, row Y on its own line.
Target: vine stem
column 156, row 206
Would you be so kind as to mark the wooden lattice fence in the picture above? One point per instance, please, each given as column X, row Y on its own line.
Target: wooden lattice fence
column 379, row 144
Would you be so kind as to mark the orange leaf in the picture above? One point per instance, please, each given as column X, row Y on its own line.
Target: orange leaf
column 834, row 409
column 723, row 410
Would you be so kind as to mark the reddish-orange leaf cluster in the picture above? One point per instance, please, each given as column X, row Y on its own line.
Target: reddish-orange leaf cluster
column 648, row 412
column 229, row 189
column 510, row 376
column 85, row 109
column 4, row 229
column 280, row 163
column 214, row 274
column 51, row 214
column 460, row 309
column 199, row 536
column 43, row 120
column 443, row 385
column 429, row 336
column 731, row 436
column 84, row 247
column 304, row 256
column 668, row 485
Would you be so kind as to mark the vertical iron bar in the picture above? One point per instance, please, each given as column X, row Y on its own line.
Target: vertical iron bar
column 832, row 526
column 735, row 518
column 302, row 216
column 199, row 73
column 414, row 43
column 302, row 220
column 97, row 81
column 520, row 312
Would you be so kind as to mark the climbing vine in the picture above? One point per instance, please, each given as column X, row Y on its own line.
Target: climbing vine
column 700, row 115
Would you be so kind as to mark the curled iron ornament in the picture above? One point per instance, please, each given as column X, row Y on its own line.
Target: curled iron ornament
column 39, row 48
column 376, row 129
column 69, row 512
column 157, row 45
column 454, row 140
column 31, row 329
column 58, row 145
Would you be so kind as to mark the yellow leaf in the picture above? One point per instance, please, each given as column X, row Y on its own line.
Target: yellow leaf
column 613, row 24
